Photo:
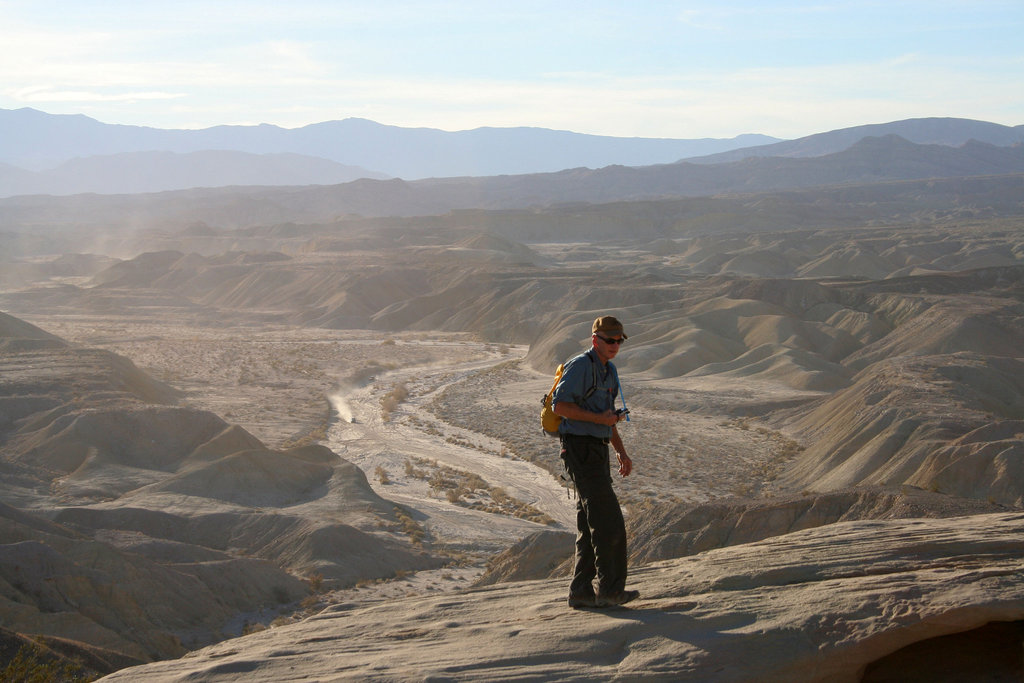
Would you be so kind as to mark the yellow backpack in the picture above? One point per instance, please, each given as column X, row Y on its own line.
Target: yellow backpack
column 549, row 420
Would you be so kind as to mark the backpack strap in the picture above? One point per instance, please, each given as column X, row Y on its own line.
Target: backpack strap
column 618, row 384
column 558, row 378
column 622, row 394
column 593, row 378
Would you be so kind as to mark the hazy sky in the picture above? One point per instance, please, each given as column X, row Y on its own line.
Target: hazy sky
column 627, row 68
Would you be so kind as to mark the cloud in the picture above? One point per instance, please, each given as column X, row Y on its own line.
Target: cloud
column 43, row 94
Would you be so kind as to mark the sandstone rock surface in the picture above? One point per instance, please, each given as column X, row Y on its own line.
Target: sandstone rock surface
column 823, row 604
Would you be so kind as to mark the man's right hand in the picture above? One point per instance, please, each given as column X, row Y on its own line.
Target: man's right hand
column 610, row 418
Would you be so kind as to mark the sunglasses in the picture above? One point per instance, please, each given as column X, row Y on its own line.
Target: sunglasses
column 606, row 340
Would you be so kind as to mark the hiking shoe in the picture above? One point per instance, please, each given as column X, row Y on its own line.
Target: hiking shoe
column 613, row 599
column 578, row 601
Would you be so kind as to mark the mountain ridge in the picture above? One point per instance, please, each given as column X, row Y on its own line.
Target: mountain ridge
column 936, row 130
column 878, row 160
column 38, row 141
column 161, row 171
column 334, row 152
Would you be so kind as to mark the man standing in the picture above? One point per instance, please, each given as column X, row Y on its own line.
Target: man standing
column 585, row 398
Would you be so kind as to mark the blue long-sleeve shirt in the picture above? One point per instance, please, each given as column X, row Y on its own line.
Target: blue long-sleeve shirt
column 580, row 374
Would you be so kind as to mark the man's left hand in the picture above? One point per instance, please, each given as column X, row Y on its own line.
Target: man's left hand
column 625, row 464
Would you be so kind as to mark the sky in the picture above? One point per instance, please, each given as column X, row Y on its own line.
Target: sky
column 638, row 68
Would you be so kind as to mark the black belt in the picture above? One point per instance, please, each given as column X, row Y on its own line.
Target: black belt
column 587, row 437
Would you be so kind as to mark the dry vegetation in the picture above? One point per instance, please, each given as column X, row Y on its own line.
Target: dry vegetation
column 469, row 490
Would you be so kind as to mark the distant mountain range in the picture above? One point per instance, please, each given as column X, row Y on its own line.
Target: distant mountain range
column 36, row 141
column 871, row 162
column 930, row 131
column 63, row 155
column 138, row 172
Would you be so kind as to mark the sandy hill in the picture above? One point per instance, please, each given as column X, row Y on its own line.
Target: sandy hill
column 876, row 356
column 38, row 365
column 65, row 584
column 143, row 528
column 18, row 335
column 16, row 274
column 950, row 423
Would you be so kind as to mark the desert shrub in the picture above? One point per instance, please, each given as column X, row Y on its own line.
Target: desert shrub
column 475, row 481
column 391, row 400
column 28, row 667
column 443, row 479
column 410, row 526
column 249, row 628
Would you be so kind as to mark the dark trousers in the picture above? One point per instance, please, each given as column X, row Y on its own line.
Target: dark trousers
column 601, row 531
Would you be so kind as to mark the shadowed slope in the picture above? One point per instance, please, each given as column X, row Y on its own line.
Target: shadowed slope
column 910, row 420
column 64, row 584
